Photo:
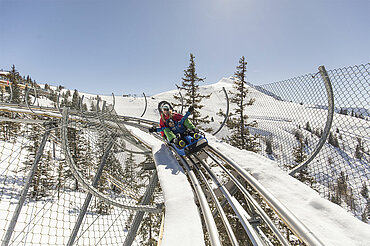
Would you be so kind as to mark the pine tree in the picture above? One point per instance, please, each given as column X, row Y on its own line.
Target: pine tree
column 333, row 140
column 129, row 173
column 5, row 127
column 237, row 122
column 14, row 77
column 101, row 206
column 62, row 174
column 269, row 146
column 192, row 97
column 92, row 107
column 365, row 216
column 80, row 153
column 13, row 129
column 43, row 180
column 308, row 127
column 359, row 149
column 364, row 191
column 1, row 95
column 31, row 93
column 149, row 229
column 65, row 102
column 75, row 100
column 299, row 153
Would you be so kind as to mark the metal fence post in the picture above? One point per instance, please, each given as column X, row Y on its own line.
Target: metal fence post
column 329, row 121
column 28, row 181
column 89, row 195
column 140, row 214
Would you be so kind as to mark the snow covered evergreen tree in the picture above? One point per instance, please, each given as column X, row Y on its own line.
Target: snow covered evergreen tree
column 333, row 140
column 5, row 127
column 43, row 181
column 192, row 97
column 359, row 149
column 75, row 100
column 129, row 172
column 64, row 102
column 238, row 121
column 92, row 106
column 299, row 152
column 14, row 78
column 2, row 96
column 81, row 155
column 269, row 146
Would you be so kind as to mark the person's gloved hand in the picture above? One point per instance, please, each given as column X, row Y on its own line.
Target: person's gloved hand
column 153, row 129
column 191, row 109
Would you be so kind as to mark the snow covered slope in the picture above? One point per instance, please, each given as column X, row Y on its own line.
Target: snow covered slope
column 330, row 222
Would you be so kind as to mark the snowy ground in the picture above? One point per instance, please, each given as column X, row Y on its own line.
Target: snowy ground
column 182, row 225
column 332, row 224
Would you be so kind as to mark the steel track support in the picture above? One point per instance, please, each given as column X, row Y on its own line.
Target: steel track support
column 28, row 181
column 140, row 214
column 89, row 195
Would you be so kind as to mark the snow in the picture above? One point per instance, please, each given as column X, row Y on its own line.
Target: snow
column 4, row 73
column 40, row 112
column 182, row 224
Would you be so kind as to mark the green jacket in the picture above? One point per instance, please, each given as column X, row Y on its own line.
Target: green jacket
column 170, row 135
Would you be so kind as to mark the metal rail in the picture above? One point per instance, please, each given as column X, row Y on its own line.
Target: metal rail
column 239, row 211
column 249, row 197
column 207, row 214
column 299, row 229
column 223, row 216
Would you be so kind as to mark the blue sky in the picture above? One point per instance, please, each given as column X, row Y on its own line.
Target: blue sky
column 122, row 46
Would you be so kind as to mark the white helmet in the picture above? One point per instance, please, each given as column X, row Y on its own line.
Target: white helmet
column 165, row 107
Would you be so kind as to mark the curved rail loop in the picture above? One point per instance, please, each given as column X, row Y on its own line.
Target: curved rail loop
column 227, row 112
column 92, row 190
column 146, row 105
column 329, row 121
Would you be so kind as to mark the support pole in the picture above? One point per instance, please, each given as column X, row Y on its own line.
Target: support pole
column 30, row 176
column 89, row 195
column 329, row 121
column 140, row 214
column 227, row 112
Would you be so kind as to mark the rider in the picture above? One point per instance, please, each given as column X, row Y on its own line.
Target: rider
column 174, row 124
